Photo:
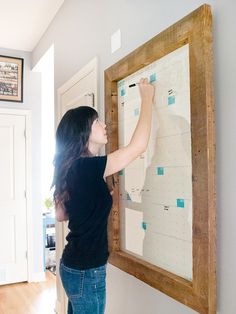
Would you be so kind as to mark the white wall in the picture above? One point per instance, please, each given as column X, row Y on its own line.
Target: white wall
column 32, row 101
column 81, row 30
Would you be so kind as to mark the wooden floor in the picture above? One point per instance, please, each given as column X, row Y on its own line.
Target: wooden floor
column 29, row 298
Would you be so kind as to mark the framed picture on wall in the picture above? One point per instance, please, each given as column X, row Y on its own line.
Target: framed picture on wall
column 11, row 78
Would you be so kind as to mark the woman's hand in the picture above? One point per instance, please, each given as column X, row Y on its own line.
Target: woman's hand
column 122, row 157
column 146, row 91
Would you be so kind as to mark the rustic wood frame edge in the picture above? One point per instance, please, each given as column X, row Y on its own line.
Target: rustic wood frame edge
column 196, row 30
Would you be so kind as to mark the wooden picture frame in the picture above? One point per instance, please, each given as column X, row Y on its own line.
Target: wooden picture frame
column 11, row 78
column 196, row 30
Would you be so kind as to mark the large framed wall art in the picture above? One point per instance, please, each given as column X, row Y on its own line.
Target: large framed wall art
column 162, row 224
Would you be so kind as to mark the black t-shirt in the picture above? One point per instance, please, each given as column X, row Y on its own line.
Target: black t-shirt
column 88, row 210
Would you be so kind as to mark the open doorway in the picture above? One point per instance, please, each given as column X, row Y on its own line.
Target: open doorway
column 45, row 66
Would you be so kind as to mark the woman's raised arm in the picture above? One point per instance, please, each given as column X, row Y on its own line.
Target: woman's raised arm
column 120, row 158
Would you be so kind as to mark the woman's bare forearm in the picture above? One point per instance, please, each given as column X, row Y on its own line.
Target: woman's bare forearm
column 142, row 131
column 122, row 157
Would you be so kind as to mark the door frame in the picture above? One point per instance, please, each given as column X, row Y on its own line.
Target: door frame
column 60, row 227
column 28, row 182
column 88, row 68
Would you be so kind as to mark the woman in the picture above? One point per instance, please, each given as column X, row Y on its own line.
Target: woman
column 82, row 197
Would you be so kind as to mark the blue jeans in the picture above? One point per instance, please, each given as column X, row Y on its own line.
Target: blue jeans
column 85, row 289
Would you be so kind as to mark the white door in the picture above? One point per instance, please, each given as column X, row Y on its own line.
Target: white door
column 80, row 90
column 13, row 234
column 80, row 93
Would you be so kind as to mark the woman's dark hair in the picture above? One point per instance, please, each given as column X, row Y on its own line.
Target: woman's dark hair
column 72, row 137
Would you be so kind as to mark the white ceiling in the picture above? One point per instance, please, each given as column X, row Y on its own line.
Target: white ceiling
column 23, row 22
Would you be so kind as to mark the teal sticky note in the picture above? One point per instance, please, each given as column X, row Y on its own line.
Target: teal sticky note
column 171, row 100
column 152, row 78
column 122, row 92
column 136, row 111
column 160, row 171
column 144, row 225
column 180, row 202
column 121, row 83
column 128, row 197
column 121, row 172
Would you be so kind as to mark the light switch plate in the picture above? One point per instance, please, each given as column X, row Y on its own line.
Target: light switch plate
column 116, row 41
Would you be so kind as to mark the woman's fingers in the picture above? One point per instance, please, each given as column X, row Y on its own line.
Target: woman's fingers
column 143, row 80
column 146, row 90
